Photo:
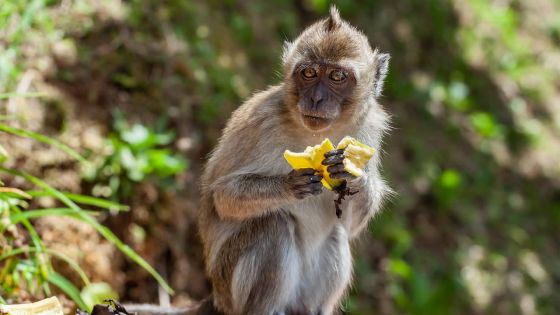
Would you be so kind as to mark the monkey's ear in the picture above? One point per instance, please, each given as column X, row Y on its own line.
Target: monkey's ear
column 381, row 69
column 334, row 21
column 286, row 51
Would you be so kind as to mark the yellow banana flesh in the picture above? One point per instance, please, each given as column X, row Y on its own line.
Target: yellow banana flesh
column 356, row 156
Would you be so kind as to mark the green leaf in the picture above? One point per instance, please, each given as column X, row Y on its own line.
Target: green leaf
column 320, row 6
column 97, row 293
column 137, row 167
column 125, row 80
column 139, row 137
column 165, row 164
column 450, row 180
column 164, row 138
column 485, row 124
column 400, row 268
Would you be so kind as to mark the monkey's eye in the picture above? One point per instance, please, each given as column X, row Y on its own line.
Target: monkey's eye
column 338, row 75
column 309, row 73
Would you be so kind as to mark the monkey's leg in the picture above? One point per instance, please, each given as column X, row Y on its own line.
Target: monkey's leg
column 257, row 268
column 327, row 282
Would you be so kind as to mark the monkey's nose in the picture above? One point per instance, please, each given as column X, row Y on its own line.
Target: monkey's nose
column 317, row 99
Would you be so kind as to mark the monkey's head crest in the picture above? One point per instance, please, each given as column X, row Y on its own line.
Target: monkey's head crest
column 331, row 40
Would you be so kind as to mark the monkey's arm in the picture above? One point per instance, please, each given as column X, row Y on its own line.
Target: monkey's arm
column 240, row 196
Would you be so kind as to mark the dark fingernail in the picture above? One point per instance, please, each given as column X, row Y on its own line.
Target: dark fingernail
column 334, row 152
column 307, row 171
column 333, row 160
column 342, row 175
column 315, row 178
column 336, row 168
column 318, row 185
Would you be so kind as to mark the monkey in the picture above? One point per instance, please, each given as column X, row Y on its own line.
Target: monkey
column 272, row 244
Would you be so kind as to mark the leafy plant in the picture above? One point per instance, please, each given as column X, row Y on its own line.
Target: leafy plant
column 29, row 268
column 135, row 152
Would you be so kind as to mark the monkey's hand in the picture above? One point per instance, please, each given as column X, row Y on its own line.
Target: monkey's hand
column 334, row 160
column 304, row 182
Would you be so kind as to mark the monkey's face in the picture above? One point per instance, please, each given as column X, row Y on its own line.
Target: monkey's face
column 322, row 91
column 331, row 73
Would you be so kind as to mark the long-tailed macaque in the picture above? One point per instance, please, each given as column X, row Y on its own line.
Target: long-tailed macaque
column 272, row 242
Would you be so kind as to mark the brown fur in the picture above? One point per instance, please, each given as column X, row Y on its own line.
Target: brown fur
column 261, row 242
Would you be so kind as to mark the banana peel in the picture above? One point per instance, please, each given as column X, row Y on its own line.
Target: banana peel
column 356, row 156
column 49, row 306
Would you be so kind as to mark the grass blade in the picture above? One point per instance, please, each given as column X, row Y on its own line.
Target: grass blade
column 72, row 265
column 104, row 231
column 14, row 192
column 16, row 251
column 82, row 199
column 41, row 257
column 35, row 239
column 41, row 138
column 67, row 287
column 33, row 214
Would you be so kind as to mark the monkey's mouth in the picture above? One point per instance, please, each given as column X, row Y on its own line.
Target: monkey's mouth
column 315, row 123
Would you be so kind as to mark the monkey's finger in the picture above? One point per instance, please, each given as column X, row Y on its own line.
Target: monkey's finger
column 310, row 189
column 342, row 175
column 306, row 180
column 315, row 178
column 304, row 171
column 336, row 168
column 333, row 159
column 317, row 191
column 334, row 152
column 316, row 186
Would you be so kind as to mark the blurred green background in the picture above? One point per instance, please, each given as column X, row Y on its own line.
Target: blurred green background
column 143, row 88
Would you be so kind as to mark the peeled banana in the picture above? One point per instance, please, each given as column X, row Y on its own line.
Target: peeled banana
column 356, row 158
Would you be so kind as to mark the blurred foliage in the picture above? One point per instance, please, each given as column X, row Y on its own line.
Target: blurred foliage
column 133, row 153
column 473, row 88
column 25, row 265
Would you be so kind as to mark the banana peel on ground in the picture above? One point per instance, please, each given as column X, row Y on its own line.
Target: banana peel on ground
column 52, row 306
column 49, row 306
